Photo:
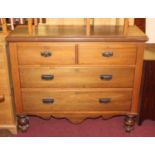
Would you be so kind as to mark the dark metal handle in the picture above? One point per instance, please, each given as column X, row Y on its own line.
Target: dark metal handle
column 47, row 77
column 106, row 77
column 1, row 98
column 48, row 100
column 46, row 54
column 107, row 54
column 104, row 100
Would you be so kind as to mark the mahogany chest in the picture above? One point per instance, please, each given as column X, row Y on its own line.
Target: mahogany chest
column 67, row 74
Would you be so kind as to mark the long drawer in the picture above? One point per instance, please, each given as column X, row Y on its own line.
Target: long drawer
column 107, row 54
column 47, row 100
column 46, row 53
column 77, row 77
column 5, row 112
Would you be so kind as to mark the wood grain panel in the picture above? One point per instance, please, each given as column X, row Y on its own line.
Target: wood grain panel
column 122, row 54
column 1, row 58
column 3, row 79
column 73, row 77
column 34, row 53
column 75, row 100
column 7, row 113
column 137, row 79
column 15, row 76
column 6, row 117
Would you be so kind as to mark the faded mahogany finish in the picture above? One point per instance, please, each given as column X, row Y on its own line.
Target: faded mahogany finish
column 66, row 73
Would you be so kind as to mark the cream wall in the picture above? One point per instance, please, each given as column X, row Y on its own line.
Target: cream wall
column 150, row 29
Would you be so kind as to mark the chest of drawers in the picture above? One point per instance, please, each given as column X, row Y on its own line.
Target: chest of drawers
column 76, row 77
column 7, row 117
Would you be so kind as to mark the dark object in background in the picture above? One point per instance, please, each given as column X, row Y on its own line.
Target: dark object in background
column 147, row 105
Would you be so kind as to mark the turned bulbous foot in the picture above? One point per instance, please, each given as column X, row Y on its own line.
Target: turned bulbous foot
column 129, row 122
column 23, row 123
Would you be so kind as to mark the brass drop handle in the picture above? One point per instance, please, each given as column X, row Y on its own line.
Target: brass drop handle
column 106, row 77
column 47, row 77
column 46, row 53
column 105, row 100
column 2, row 98
column 107, row 54
column 47, row 100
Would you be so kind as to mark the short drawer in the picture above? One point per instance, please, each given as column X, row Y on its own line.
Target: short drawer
column 77, row 77
column 45, row 53
column 107, row 54
column 3, row 78
column 5, row 108
column 44, row 100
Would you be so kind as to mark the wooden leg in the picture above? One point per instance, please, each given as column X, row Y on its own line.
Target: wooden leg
column 23, row 123
column 129, row 122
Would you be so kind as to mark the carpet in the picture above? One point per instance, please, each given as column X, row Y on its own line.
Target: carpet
column 89, row 128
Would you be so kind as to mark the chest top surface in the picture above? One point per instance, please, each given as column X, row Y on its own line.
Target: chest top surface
column 49, row 33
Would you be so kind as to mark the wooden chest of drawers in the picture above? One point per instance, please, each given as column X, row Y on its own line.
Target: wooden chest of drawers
column 77, row 77
column 7, row 116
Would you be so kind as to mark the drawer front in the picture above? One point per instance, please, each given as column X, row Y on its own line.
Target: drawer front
column 44, row 53
column 60, row 100
column 3, row 78
column 75, row 77
column 5, row 108
column 107, row 54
